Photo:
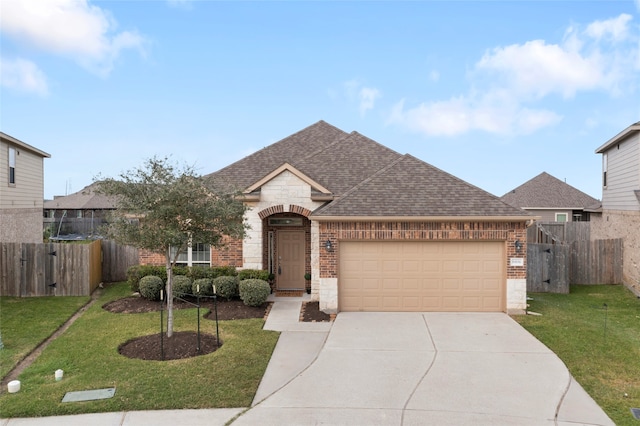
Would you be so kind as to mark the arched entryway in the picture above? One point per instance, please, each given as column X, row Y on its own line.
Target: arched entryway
column 287, row 250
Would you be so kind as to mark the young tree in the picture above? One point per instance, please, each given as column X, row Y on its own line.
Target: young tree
column 163, row 209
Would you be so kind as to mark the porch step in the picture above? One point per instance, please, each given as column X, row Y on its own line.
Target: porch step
column 289, row 293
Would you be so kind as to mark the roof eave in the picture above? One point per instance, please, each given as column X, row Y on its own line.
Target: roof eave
column 617, row 138
column 24, row 145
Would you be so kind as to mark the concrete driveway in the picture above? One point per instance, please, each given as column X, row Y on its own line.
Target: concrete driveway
column 417, row 369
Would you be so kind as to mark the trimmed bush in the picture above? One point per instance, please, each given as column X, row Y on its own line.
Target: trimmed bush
column 205, row 285
column 254, row 292
column 226, row 287
column 181, row 286
column 198, row 272
column 257, row 274
column 136, row 272
column 150, row 287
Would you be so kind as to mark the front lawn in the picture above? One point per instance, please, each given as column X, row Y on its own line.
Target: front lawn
column 26, row 322
column 595, row 330
column 88, row 354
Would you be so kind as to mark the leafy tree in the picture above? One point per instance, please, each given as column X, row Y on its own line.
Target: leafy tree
column 162, row 207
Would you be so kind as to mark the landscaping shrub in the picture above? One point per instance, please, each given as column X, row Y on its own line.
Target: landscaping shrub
column 254, row 292
column 136, row 272
column 205, row 285
column 226, row 287
column 258, row 274
column 150, row 287
column 182, row 286
column 198, row 272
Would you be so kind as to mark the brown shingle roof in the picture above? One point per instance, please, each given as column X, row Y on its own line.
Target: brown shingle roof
column 85, row 199
column 291, row 149
column 546, row 191
column 411, row 187
column 346, row 162
column 367, row 178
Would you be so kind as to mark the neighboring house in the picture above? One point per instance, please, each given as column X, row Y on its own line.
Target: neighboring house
column 620, row 211
column 551, row 199
column 78, row 215
column 21, row 190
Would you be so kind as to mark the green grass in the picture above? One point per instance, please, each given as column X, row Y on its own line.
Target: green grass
column 26, row 322
column 600, row 345
column 88, row 354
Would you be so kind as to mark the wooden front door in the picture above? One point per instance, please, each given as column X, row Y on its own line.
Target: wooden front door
column 290, row 260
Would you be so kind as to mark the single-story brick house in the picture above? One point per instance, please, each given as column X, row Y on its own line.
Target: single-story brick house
column 375, row 229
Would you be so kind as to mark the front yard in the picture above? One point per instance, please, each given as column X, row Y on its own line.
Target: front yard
column 595, row 330
column 88, row 354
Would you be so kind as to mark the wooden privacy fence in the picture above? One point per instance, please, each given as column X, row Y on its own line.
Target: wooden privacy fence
column 552, row 267
column 116, row 259
column 59, row 269
column 548, row 268
column 555, row 232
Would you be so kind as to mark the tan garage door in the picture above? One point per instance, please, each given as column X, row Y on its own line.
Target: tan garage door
column 422, row 276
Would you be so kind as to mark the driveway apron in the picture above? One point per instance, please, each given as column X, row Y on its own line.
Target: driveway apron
column 429, row 368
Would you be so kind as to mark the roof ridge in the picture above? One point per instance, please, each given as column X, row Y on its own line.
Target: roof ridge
column 219, row 171
column 363, row 182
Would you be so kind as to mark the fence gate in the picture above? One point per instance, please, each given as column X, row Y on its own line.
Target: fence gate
column 548, row 268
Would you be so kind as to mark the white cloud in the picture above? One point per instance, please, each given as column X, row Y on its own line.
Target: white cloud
column 365, row 96
column 69, row 28
column 508, row 83
column 616, row 29
column 368, row 98
column 434, row 75
column 23, row 76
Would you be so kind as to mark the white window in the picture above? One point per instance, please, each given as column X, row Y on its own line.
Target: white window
column 561, row 217
column 604, row 170
column 196, row 254
column 12, row 166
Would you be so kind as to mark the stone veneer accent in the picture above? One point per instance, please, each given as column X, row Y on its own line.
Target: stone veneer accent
column 625, row 225
column 285, row 193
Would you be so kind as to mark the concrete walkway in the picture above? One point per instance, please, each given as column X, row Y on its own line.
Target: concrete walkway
column 392, row 369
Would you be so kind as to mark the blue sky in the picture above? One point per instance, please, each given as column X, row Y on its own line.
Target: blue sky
column 494, row 92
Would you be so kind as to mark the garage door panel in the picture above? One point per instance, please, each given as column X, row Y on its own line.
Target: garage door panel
column 422, row 276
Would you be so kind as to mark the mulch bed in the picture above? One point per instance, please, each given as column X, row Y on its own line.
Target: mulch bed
column 311, row 312
column 184, row 344
column 227, row 309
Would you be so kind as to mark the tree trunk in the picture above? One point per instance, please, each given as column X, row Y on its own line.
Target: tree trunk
column 169, row 289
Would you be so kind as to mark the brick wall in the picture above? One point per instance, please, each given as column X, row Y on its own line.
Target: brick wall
column 146, row 257
column 422, row 231
column 229, row 255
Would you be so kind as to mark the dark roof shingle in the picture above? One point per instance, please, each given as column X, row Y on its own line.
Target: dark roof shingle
column 546, row 191
column 411, row 187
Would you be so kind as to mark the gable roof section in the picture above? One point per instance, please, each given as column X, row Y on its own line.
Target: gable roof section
column 409, row 187
column 634, row 128
column 86, row 199
column 286, row 166
column 546, row 191
column 249, row 170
